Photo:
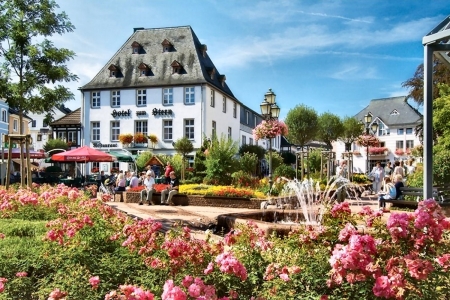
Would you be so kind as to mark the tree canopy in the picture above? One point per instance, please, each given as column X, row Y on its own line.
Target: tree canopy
column 31, row 66
column 303, row 124
column 352, row 130
column 330, row 128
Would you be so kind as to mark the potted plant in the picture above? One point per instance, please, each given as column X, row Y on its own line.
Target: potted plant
column 126, row 138
column 377, row 150
column 140, row 138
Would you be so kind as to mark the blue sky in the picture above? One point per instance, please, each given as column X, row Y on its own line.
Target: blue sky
column 333, row 56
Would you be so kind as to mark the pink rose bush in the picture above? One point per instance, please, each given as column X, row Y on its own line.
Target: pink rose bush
column 269, row 129
column 81, row 248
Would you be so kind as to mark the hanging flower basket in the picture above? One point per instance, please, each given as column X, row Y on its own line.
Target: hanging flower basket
column 399, row 151
column 126, row 138
column 140, row 138
column 357, row 153
column 408, row 151
column 378, row 150
column 269, row 129
column 368, row 140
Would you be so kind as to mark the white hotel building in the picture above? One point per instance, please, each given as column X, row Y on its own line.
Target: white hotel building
column 162, row 81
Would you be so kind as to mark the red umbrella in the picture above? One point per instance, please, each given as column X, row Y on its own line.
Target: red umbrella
column 15, row 153
column 83, row 154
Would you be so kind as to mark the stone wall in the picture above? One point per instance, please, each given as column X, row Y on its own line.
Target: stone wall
column 196, row 200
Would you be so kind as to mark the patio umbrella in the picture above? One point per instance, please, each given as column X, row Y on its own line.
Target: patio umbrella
column 122, row 156
column 83, row 154
column 15, row 153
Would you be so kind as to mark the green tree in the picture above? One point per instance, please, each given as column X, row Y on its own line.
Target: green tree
column 142, row 159
column 30, row 62
column 303, row 124
column 200, row 157
column 248, row 162
column 352, row 129
column 277, row 160
column 221, row 160
column 258, row 150
column 330, row 128
column 314, row 158
column 183, row 146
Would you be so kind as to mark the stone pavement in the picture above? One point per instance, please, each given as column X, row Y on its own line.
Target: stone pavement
column 201, row 218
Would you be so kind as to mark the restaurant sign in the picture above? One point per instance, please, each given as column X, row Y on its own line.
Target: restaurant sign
column 100, row 145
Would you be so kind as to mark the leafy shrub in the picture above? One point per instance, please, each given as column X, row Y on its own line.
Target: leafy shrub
column 284, row 171
column 244, row 179
column 248, row 162
column 360, row 178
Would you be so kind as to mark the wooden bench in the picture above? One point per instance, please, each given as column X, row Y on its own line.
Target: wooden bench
column 417, row 193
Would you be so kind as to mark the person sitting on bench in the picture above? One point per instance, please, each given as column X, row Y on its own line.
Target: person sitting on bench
column 391, row 191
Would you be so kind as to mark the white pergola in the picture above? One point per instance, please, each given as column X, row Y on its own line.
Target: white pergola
column 436, row 43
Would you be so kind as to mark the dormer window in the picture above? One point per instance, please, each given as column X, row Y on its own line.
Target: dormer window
column 203, row 49
column 211, row 72
column 136, row 47
column 114, row 71
column 176, row 67
column 144, row 70
column 222, row 79
column 395, row 112
column 167, row 46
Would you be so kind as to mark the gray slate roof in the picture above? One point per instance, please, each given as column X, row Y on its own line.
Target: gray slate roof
column 382, row 109
column 187, row 50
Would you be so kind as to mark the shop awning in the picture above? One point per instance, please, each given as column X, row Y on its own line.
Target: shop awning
column 122, row 156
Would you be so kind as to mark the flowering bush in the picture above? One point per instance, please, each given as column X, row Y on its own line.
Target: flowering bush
column 377, row 150
column 399, row 151
column 140, row 138
column 269, row 129
column 126, row 138
column 80, row 248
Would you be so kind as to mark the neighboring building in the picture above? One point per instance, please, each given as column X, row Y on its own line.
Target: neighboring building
column 162, row 81
column 397, row 121
column 40, row 131
column 4, row 120
column 14, row 121
column 68, row 128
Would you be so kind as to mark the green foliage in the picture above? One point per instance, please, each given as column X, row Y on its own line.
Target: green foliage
column 244, row 179
column 221, row 161
column 183, row 147
column 277, row 160
column 303, row 124
column 352, row 129
column 360, row 178
column 200, row 157
column 416, row 179
column 53, row 144
column 314, row 158
column 441, row 165
column 258, row 150
column 142, row 159
column 248, row 162
column 330, row 128
column 284, row 170
column 177, row 164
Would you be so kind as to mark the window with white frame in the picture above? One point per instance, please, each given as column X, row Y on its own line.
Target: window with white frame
column 224, row 104
column 400, row 131
column 250, row 141
column 409, row 131
column 142, row 127
column 382, row 129
column 141, row 97
column 15, row 125
column 244, row 140
column 95, row 131
column 72, row 136
column 95, row 100
column 213, row 98
column 189, row 95
column 4, row 116
column 115, row 98
column 61, row 135
column 115, row 130
column 399, row 144
column 213, row 125
column 167, row 130
column 229, row 133
column 33, row 123
column 234, row 109
column 409, row 144
column 168, row 96
column 189, row 128
column 39, row 137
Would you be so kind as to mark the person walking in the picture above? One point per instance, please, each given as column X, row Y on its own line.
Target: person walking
column 149, row 182
column 169, row 169
column 378, row 175
column 398, row 170
column 171, row 190
column 388, row 170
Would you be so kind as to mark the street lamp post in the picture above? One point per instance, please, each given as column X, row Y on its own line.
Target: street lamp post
column 373, row 127
column 270, row 111
column 296, row 162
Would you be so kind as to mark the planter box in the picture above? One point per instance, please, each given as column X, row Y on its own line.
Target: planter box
column 198, row 200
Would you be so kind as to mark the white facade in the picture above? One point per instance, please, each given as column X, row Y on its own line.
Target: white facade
column 41, row 131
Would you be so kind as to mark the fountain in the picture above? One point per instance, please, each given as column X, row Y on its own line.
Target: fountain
column 300, row 203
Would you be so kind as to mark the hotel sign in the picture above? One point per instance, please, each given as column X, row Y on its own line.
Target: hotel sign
column 161, row 112
column 121, row 113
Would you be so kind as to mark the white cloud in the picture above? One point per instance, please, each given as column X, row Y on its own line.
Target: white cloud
column 355, row 72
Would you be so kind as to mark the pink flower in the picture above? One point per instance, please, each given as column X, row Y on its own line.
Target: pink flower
column 21, row 274
column 172, row 292
column 2, row 236
column 209, row 269
column 57, row 294
column 285, row 277
column 382, row 287
column 94, row 281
